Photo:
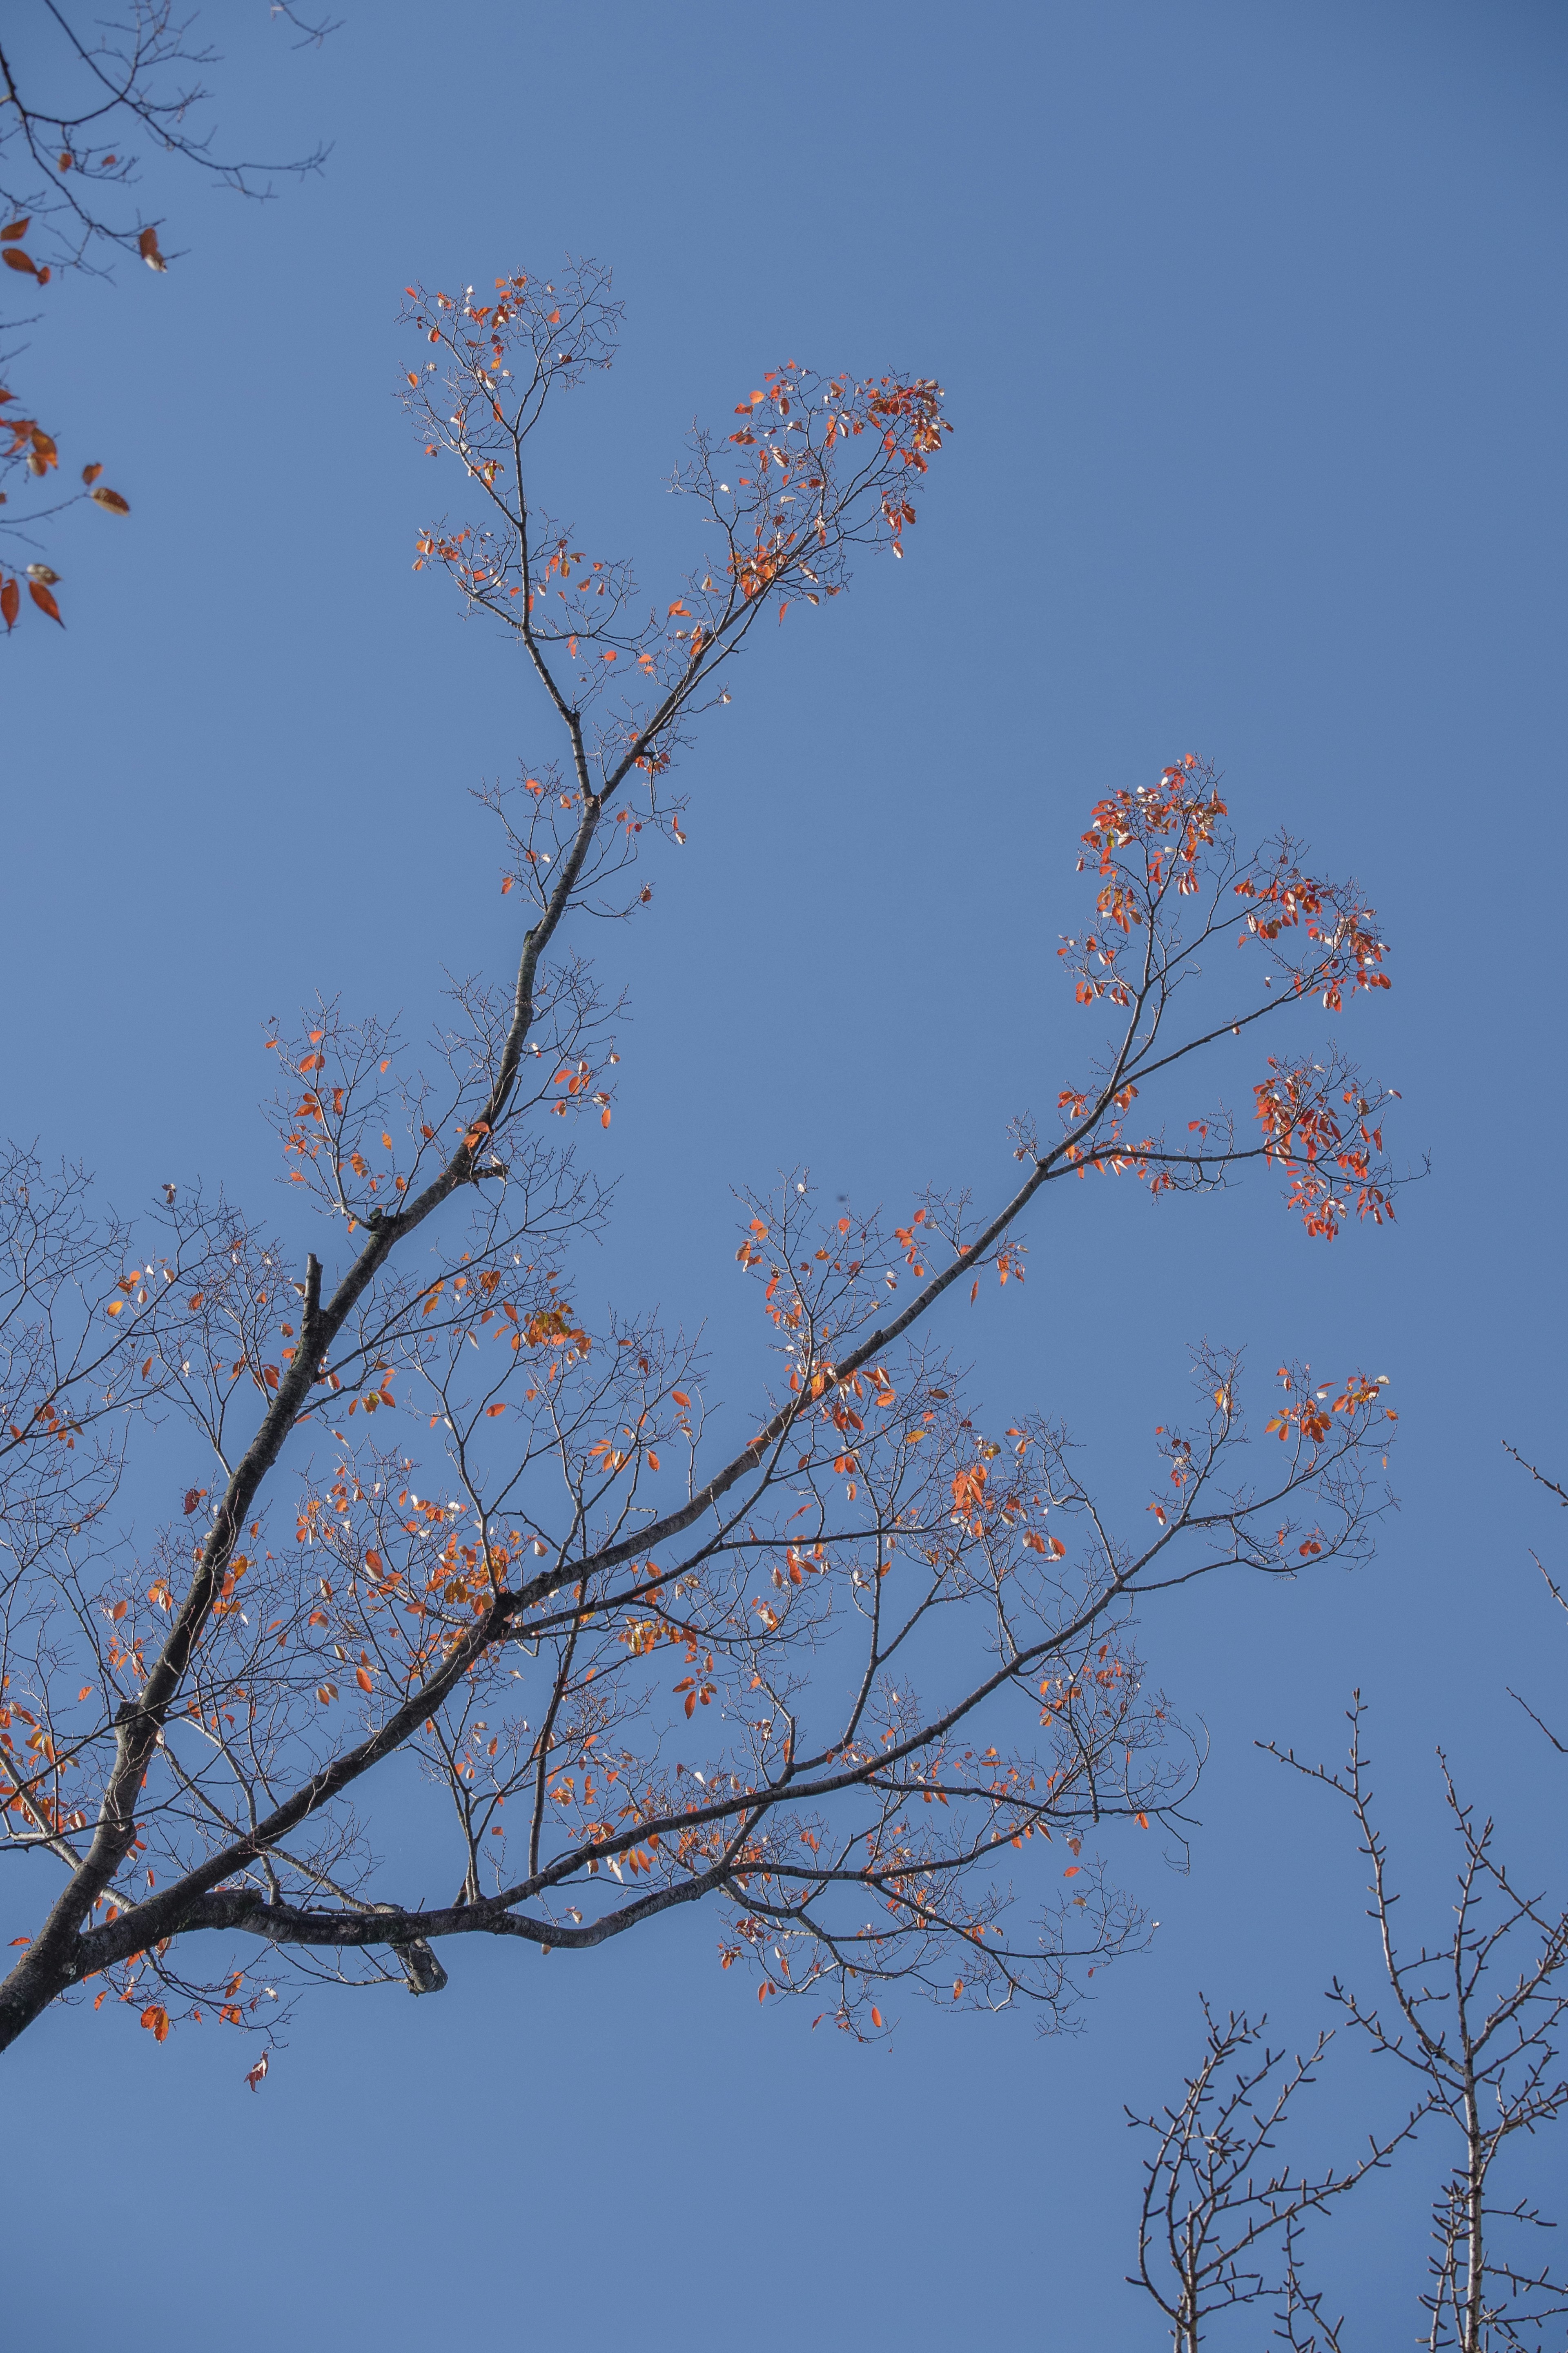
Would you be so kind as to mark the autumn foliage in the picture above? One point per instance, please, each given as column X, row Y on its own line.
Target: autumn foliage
column 859, row 1671
column 69, row 130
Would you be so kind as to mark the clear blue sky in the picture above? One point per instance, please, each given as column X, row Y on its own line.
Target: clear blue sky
column 1252, row 322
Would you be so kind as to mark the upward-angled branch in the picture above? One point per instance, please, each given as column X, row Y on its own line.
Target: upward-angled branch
column 1478, row 2020
column 902, row 1647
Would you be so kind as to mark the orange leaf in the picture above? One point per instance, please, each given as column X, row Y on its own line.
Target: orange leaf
column 157, row 2018
column 362, row 1679
column 15, row 259
column 876, row 2017
column 44, row 601
column 491, row 1410
column 15, row 229
column 90, row 473
column 680, row 1396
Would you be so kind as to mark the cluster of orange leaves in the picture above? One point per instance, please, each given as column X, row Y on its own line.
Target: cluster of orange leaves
column 1312, row 1413
column 1301, row 1131
column 41, row 451
column 906, row 415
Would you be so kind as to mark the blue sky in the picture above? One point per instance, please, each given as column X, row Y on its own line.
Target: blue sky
column 1251, row 321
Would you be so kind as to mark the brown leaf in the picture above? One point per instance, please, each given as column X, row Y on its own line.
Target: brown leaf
column 147, row 246
column 10, row 605
column 44, row 601
column 15, row 259
column 111, row 502
column 15, row 229
column 90, row 473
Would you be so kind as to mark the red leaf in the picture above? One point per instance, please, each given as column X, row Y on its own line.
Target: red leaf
column 44, row 601
column 10, row 604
